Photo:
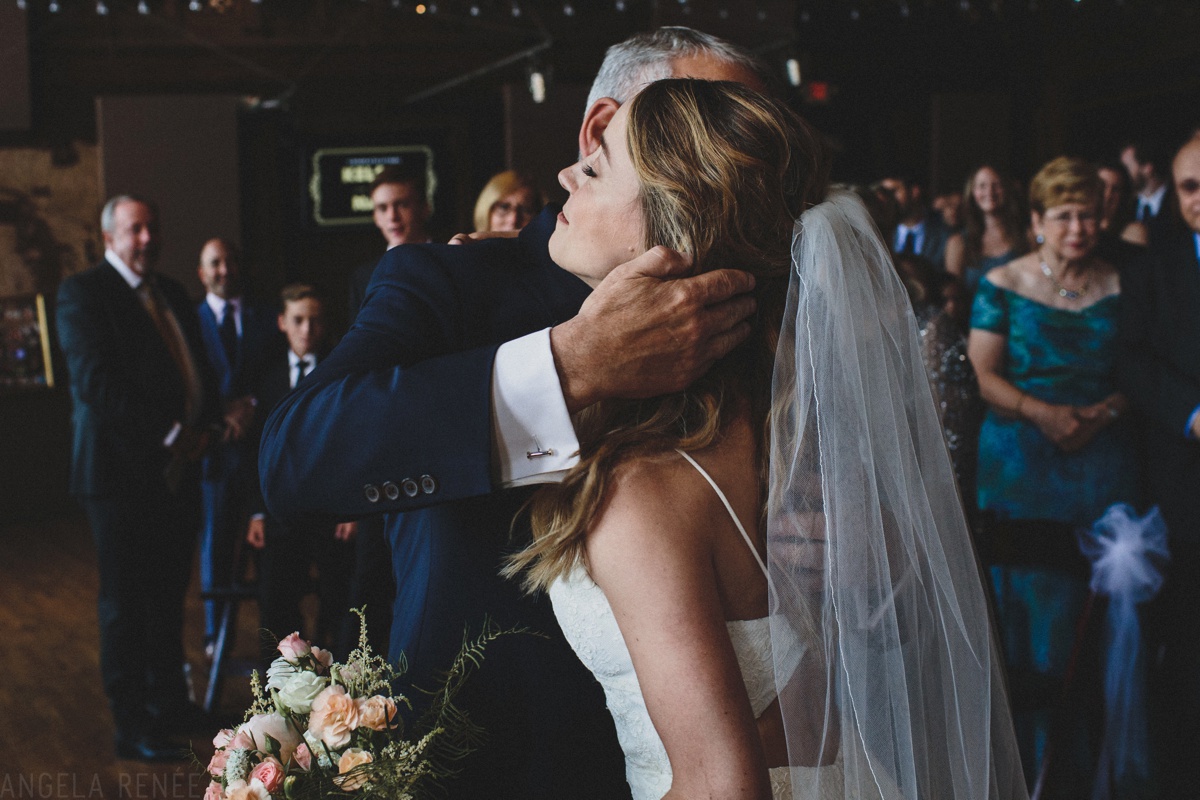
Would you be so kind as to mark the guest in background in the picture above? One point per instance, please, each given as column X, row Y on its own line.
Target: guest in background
column 142, row 400
column 1053, row 445
column 508, row 202
column 401, row 210
column 949, row 207
column 289, row 551
column 1122, row 238
column 944, row 351
column 238, row 335
column 1116, row 206
column 919, row 232
column 995, row 230
column 1160, row 371
column 1146, row 162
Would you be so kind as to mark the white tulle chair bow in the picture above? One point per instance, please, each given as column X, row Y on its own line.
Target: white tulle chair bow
column 1127, row 553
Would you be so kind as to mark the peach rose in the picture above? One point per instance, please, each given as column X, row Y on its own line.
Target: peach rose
column 334, row 717
column 254, row 790
column 293, row 648
column 269, row 772
column 213, row 792
column 375, row 712
column 216, row 765
column 260, row 726
column 354, row 757
column 303, row 757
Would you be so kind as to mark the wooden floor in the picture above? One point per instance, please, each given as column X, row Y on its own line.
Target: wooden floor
column 56, row 733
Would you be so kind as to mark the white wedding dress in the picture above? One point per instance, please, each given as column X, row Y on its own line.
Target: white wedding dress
column 588, row 623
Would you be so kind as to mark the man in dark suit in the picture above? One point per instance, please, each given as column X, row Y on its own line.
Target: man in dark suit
column 1160, row 372
column 287, row 551
column 239, row 335
column 919, row 232
column 437, row 404
column 142, row 396
column 1148, row 164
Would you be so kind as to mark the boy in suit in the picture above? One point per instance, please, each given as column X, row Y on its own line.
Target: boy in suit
column 288, row 550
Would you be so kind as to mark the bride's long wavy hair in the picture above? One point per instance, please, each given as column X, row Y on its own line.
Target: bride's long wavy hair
column 724, row 172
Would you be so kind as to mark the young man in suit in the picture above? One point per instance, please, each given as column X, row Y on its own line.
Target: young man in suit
column 289, row 549
column 1160, row 372
column 919, row 232
column 239, row 335
column 422, row 410
column 143, row 399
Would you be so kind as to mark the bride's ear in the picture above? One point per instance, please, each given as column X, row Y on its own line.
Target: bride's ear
column 595, row 121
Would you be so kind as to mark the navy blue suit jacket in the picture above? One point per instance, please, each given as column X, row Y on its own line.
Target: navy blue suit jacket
column 403, row 403
column 260, row 340
column 1159, row 369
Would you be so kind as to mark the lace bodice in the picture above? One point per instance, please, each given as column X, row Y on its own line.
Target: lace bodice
column 588, row 623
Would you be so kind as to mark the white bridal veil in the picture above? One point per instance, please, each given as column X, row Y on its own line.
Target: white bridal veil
column 873, row 574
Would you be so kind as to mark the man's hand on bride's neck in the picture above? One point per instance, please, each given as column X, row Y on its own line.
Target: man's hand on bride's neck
column 646, row 330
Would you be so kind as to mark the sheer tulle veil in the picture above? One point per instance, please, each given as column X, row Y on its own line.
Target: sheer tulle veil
column 882, row 639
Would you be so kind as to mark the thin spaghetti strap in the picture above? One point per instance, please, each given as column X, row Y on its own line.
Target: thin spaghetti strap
column 729, row 508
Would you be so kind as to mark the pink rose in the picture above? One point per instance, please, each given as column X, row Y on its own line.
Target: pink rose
column 213, row 792
column 293, row 648
column 334, row 717
column 270, row 772
column 260, row 726
column 216, row 765
column 222, row 738
column 354, row 757
column 323, row 657
column 375, row 712
column 303, row 757
column 240, row 741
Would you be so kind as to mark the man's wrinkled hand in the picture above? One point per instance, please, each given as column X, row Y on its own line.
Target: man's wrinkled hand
column 648, row 329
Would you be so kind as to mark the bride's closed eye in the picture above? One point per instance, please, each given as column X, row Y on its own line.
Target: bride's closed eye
column 588, row 171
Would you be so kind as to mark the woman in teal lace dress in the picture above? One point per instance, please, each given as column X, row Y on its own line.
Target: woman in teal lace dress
column 1053, row 444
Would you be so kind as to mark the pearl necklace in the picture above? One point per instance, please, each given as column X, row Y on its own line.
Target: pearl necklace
column 1063, row 291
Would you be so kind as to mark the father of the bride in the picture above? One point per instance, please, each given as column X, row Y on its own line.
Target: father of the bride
column 455, row 385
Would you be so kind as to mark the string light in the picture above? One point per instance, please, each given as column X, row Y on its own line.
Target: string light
column 420, row 9
column 143, row 7
column 474, row 11
column 619, row 5
column 793, row 71
column 723, row 13
column 568, row 10
column 855, row 14
column 101, row 8
column 21, row 5
column 905, row 11
column 53, row 7
column 537, row 86
column 194, row 5
column 516, row 10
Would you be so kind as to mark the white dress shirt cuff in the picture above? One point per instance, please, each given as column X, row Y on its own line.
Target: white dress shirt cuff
column 533, row 440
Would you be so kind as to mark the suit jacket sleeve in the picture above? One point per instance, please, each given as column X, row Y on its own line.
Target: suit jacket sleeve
column 405, row 395
column 101, row 378
column 1152, row 380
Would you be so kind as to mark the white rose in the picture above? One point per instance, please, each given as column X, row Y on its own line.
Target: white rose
column 260, row 726
column 299, row 691
column 278, row 673
column 318, row 750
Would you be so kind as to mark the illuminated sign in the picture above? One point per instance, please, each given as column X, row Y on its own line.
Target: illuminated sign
column 341, row 177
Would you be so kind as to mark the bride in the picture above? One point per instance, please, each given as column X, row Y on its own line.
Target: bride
column 769, row 573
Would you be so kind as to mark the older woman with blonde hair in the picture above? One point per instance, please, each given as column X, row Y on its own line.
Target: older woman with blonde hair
column 507, row 202
column 1054, row 446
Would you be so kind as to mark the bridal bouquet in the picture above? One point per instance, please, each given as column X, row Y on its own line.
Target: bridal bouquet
column 322, row 729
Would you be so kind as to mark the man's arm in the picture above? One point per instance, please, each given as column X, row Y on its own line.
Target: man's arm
column 399, row 416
